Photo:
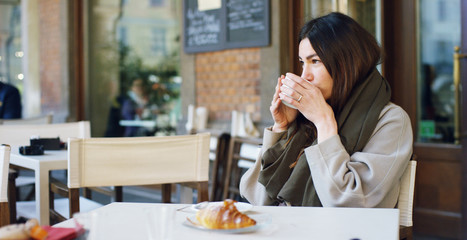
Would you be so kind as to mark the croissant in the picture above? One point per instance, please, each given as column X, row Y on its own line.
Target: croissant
column 223, row 216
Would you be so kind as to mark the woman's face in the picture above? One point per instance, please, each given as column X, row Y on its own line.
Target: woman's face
column 137, row 87
column 314, row 70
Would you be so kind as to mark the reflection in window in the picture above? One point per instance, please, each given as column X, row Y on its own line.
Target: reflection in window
column 439, row 28
column 156, row 3
column 123, row 36
column 441, row 10
column 127, row 41
column 149, row 50
column 158, row 45
column 11, row 53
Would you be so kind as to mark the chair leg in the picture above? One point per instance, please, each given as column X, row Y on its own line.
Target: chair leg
column 203, row 192
column 4, row 214
column 87, row 193
column 73, row 198
column 166, row 193
column 118, row 193
column 12, row 193
column 405, row 233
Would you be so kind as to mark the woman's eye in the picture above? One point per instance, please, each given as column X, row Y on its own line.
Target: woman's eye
column 301, row 62
column 315, row 61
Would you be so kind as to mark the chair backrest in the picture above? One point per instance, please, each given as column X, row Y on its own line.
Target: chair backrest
column 405, row 203
column 47, row 119
column 129, row 161
column 20, row 134
column 242, row 153
column 4, row 166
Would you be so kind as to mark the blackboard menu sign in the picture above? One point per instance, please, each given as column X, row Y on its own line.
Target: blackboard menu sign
column 203, row 29
column 234, row 24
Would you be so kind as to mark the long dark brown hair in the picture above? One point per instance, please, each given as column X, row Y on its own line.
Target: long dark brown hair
column 347, row 50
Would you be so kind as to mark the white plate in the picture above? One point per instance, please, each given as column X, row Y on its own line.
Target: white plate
column 241, row 206
column 261, row 219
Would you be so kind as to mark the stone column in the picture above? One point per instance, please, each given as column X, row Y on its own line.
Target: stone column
column 31, row 68
column 102, row 62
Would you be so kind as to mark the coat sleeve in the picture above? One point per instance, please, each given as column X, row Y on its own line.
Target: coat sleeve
column 370, row 178
column 12, row 108
column 250, row 188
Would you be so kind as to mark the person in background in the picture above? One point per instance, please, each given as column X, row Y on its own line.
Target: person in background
column 135, row 107
column 114, row 129
column 10, row 102
column 342, row 143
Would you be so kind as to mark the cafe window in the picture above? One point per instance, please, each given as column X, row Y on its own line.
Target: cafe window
column 11, row 52
column 158, row 45
column 156, row 3
column 122, row 36
column 439, row 32
column 130, row 41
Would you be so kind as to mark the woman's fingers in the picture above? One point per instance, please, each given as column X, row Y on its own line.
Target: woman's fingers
column 290, row 92
column 295, row 82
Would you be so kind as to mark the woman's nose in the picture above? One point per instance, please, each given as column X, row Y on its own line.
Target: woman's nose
column 306, row 74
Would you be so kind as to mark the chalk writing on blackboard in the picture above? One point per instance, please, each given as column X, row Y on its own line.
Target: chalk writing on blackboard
column 202, row 28
column 237, row 23
column 247, row 23
column 246, row 15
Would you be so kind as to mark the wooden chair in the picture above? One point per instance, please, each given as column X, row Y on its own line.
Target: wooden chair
column 20, row 134
column 138, row 161
column 4, row 166
column 242, row 153
column 219, row 149
column 405, row 202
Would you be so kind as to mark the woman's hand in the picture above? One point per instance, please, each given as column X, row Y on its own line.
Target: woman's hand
column 281, row 114
column 309, row 100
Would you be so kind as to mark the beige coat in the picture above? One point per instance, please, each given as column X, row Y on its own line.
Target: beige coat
column 370, row 178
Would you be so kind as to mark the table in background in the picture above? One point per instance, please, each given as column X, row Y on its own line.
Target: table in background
column 41, row 165
column 138, row 123
column 132, row 221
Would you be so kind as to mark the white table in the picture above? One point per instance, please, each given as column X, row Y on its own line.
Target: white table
column 41, row 165
column 138, row 123
column 138, row 220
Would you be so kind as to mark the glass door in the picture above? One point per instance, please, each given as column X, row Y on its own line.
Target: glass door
column 438, row 205
column 438, row 102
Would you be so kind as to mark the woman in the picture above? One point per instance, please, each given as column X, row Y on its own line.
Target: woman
column 341, row 143
column 135, row 107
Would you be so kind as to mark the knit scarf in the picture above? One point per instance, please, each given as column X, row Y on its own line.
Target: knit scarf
column 286, row 174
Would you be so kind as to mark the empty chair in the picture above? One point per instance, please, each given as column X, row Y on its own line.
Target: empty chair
column 219, row 146
column 219, row 149
column 4, row 162
column 405, row 202
column 242, row 153
column 134, row 161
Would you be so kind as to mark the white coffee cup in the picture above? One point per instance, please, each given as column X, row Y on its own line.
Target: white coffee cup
column 286, row 103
